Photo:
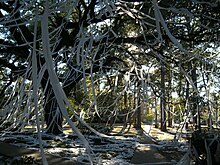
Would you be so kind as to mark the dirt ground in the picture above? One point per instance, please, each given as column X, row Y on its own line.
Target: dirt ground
column 149, row 137
column 147, row 150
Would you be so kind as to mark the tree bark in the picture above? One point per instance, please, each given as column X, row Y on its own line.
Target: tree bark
column 138, row 125
column 170, row 124
column 155, row 113
column 53, row 116
column 137, row 100
column 169, row 98
column 196, row 112
column 162, row 100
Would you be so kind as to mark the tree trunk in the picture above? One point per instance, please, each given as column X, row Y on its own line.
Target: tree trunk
column 162, row 100
column 170, row 124
column 53, row 116
column 196, row 112
column 155, row 112
column 134, row 107
column 137, row 101
column 125, row 113
column 216, row 114
column 138, row 125
column 210, row 123
column 169, row 98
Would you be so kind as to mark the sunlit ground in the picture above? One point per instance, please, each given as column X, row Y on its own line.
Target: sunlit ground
column 118, row 149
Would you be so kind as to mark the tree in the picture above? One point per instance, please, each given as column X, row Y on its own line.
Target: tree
column 95, row 38
column 68, row 33
column 51, row 49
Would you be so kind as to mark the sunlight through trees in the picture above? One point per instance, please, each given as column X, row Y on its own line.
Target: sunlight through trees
column 82, row 62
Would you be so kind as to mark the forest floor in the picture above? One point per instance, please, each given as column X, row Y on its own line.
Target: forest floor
column 157, row 147
column 146, row 146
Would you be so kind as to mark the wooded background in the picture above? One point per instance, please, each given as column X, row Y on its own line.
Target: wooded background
column 109, row 61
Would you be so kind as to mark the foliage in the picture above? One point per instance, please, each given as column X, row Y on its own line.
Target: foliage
column 81, row 58
column 148, row 117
